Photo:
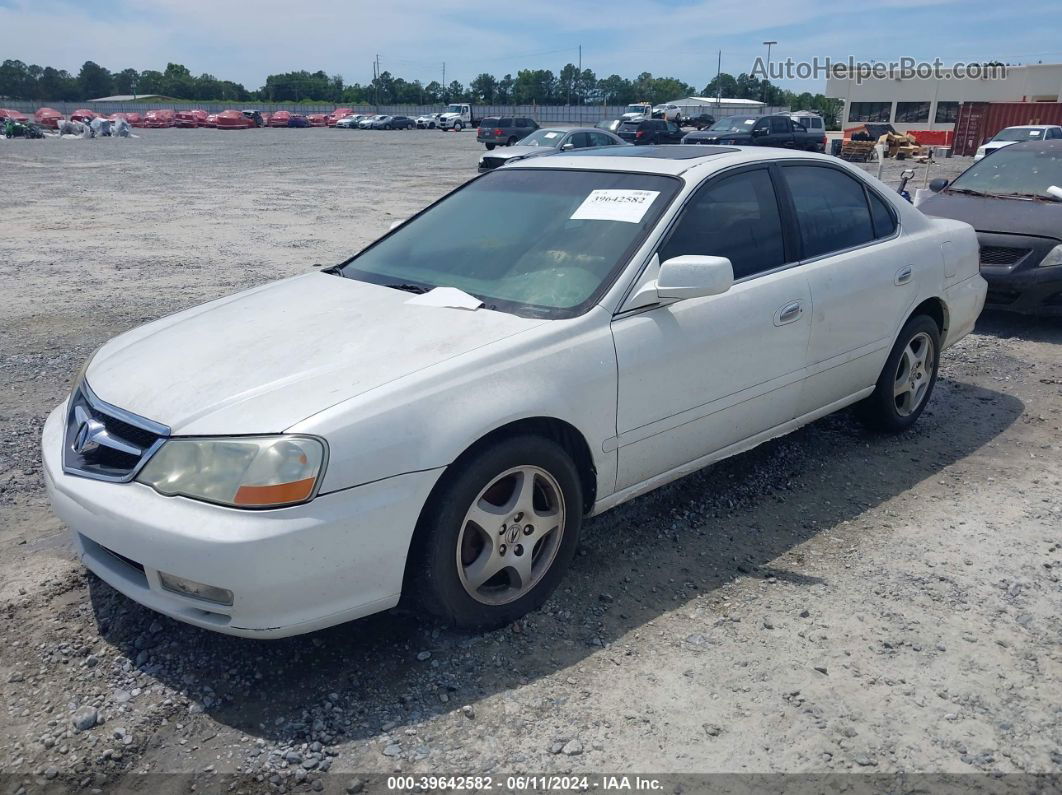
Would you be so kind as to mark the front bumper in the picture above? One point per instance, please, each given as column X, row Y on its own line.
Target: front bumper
column 291, row 570
column 1022, row 285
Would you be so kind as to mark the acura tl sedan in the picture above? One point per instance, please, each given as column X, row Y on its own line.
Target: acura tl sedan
column 434, row 418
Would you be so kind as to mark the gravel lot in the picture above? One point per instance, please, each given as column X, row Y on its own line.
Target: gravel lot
column 833, row 601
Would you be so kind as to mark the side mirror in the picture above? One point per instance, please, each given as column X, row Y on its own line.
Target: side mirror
column 567, row 146
column 693, row 276
column 938, row 184
column 758, row 131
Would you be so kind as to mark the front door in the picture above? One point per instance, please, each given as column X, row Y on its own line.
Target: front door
column 702, row 374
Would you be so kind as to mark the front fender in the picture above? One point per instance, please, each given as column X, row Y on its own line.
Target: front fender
column 563, row 369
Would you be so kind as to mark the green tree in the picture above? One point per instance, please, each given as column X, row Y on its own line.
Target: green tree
column 483, row 89
column 504, row 93
column 125, row 81
column 722, row 85
column 94, row 81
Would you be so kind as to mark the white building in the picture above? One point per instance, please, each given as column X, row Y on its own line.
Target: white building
column 720, row 108
column 933, row 103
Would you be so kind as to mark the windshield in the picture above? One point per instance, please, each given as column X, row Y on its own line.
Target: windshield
column 1014, row 171
column 636, row 109
column 538, row 242
column 542, row 138
column 734, row 124
column 455, row 109
column 1019, row 134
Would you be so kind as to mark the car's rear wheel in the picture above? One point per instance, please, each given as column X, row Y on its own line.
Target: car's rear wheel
column 907, row 380
column 499, row 534
column 511, row 141
column 489, row 146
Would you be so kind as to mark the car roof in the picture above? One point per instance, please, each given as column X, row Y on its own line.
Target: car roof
column 1030, row 127
column 670, row 159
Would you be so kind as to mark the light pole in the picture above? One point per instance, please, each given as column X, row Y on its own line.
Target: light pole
column 767, row 80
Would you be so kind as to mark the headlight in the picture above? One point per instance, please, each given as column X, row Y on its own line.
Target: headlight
column 244, row 472
column 1054, row 257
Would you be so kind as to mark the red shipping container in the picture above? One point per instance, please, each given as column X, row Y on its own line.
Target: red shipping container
column 978, row 122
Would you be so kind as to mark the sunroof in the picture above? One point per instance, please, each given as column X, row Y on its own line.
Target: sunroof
column 667, row 152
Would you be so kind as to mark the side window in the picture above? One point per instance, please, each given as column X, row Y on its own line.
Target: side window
column 735, row 217
column 579, row 140
column 505, row 122
column 831, row 209
column 600, row 139
column 882, row 215
column 761, row 125
column 778, row 125
column 672, row 127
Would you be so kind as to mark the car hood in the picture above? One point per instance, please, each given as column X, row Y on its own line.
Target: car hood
column 262, row 360
column 995, row 214
column 522, row 151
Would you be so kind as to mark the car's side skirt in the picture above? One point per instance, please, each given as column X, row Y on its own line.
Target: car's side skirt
column 638, row 489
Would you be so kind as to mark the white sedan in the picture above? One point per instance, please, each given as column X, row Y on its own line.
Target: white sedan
column 435, row 417
column 1013, row 135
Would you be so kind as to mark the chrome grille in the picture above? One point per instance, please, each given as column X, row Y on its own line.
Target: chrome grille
column 105, row 442
column 1001, row 255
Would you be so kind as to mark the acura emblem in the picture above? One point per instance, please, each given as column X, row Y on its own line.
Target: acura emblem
column 86, row 439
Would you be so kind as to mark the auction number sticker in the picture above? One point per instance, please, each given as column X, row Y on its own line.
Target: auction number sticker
column 628, row 206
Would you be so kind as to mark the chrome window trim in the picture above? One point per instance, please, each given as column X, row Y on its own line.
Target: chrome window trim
column 120, row 414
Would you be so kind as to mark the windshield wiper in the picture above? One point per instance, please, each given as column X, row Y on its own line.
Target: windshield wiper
column 969, row 192
column 409, row 288
column 1025, row 195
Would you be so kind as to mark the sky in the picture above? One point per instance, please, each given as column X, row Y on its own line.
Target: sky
column 245, row 40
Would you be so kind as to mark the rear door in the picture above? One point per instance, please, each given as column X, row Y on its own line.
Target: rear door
column 863, row 278
column 781, row 133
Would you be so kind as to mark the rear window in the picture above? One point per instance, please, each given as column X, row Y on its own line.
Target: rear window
column 631, row 126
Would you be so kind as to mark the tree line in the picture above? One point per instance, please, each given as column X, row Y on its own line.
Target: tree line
column 571, row 86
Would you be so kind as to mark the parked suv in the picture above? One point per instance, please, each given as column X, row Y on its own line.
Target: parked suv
column 650, row 131
column 504, row 130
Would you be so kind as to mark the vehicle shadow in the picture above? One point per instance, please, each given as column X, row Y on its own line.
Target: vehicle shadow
column 635, row 563
column 1008, row 325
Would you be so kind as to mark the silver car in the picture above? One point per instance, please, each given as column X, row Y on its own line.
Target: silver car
column 547, row 141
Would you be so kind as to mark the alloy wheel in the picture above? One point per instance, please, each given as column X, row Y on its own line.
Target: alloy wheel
column 510, row 535
column 914, row 373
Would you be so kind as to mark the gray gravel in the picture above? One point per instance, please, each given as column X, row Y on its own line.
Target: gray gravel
column 831, row 601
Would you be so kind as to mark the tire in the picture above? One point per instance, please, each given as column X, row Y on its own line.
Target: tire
column 913, row 365
column 388, row 127
column 480, row 578
column 431, row 126
column 512, row 141
column 489, row 146
column 458, row 126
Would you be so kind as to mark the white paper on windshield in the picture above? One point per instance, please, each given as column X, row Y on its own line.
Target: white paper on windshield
column 551, row 135
column 1034, row 133
column 449, row 297
column 748, row 121
column 628, row 206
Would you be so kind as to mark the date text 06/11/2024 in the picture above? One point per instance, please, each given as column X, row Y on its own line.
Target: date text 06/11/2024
column 525, row 782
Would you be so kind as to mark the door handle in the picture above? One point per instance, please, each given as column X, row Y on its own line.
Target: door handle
column 788, row 313
column 903, row 275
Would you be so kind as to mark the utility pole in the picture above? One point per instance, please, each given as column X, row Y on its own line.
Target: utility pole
column 719, row 83
column 444, row 78
column 767, row 80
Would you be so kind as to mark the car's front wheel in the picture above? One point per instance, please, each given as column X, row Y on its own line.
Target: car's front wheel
column 499, row 534
column 458, row 126
column 511, row 141
column 907, row 380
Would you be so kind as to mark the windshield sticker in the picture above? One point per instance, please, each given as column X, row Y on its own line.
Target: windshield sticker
column 748, row 121
column 551, row 135
column 628, row 206
column 1034, row 132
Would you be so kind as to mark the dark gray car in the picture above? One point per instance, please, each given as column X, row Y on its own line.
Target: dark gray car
column 548, row 141
column 1014, row 201
column 504, row 130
